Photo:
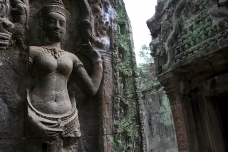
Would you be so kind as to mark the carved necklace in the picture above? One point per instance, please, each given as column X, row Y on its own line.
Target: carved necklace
column 57, row 53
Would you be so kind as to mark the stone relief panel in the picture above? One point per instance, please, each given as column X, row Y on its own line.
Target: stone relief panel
column 21, row 35
column 12, row 73
column 56, row 106
column 181, row 29
column 52, row 111
column 14, row 22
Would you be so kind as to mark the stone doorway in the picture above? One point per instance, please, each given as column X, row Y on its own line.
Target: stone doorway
column 216, row 123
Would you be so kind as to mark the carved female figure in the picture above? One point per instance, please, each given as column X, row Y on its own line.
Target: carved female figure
column 52, row 111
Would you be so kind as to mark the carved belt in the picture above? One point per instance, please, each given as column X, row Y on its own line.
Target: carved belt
column 51, row 118
column 66, row 125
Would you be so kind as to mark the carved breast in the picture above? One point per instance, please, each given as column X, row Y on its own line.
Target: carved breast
column 47, row 62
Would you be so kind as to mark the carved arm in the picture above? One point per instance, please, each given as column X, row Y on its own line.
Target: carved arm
column 89, row 84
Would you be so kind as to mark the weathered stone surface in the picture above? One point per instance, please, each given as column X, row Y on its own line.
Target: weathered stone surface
column 190, row 49
column 188, row 29
column 110, row 120
column 128, row 121
column 158, row 120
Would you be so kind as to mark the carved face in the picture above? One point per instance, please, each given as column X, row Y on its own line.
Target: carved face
column 55, row 26
column 105, row 21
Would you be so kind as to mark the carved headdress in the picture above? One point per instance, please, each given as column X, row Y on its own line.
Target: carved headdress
column 55, row 6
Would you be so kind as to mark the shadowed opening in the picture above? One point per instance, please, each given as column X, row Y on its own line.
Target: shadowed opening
column 222, row 102
column 44, row 147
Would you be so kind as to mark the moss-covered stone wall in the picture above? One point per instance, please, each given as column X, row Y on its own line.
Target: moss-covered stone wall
column 158, row 121
column 127, row 119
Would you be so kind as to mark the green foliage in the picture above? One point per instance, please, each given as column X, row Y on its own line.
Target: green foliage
column 144, row 54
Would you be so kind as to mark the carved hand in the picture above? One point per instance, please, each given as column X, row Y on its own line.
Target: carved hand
column 89, row 52
column 97, row 42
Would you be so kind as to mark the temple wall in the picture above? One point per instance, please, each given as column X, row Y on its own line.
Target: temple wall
column 189, row 46
column 109, row 121
column 158, row 121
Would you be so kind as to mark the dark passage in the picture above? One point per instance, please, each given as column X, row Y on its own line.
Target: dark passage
column 44, row 147
column 222, row 103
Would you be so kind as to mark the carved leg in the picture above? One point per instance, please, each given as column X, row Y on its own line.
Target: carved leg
column 71, row 145
column 62, row 145
column 54, row 145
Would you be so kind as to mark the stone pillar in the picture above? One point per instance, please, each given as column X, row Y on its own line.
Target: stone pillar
column 177, row 89
column 105, row 97
column 180, row 127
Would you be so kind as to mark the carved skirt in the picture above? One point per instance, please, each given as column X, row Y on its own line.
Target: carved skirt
column 53, row 126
